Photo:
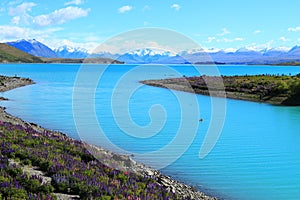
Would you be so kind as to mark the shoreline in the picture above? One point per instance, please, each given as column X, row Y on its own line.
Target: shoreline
column 9, row 83
column 271, row 89
column 125, row 162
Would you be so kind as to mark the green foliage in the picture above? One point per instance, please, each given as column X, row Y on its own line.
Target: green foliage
column 122, row 177
column 15, row 193
column 14, row 171
column 105, row 198
column 26, row 162
column 277, row 89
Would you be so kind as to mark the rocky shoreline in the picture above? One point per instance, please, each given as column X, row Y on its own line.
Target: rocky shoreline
column 9, row 83
column 125, row 162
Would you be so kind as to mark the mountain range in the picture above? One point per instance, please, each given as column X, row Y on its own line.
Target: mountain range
column 145, row 56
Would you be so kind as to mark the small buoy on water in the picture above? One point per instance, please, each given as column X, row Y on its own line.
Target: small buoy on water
column 201, row 120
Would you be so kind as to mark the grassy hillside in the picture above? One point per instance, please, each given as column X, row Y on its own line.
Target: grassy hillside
column 11, row 54
column 281, row 90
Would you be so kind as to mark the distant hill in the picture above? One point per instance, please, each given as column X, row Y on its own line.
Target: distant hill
column 11, row 54
column 34, row 47
column 82, row 60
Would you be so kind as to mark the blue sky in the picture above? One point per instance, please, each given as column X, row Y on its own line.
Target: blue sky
column 255, row 24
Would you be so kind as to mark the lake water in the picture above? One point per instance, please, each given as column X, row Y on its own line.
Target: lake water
column 256, row 157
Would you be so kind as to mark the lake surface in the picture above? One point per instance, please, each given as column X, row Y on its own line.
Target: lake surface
column 256, row 157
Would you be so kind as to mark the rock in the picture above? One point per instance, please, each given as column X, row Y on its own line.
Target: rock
column 149, row 172
column 66, row 196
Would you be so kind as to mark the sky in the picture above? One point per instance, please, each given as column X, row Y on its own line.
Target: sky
column 218, row 24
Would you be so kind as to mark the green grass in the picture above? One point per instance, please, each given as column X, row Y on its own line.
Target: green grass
column 274, row 89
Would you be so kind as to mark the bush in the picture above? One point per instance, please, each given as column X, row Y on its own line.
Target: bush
column 17, row 194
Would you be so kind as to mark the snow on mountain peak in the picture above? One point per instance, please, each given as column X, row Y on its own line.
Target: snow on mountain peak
column 32, row 41
column 244, row 50
column 150, row 52
column 229, row 50
column 66, row 51
column 70, row 49
column 282, row 49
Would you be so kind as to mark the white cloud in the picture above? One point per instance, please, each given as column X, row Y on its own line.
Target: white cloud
column 230, row 40
column 15, row 33
column 20, row 13
column 75, row 2
column 283, row 39
column 175, row 6
column 219, row 37
column 210, row 39
column 224, row 32
column 296, row 29
column 61, row 16
column 124, row 9
column 21, row 9
column 257, row 32
column 259, row 47
column 16, row 20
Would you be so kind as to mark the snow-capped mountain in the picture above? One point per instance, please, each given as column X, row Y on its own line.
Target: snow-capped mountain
column 156, row 56
column 146, row 55
column 33, row 47
column 71, row 52
column 151, row 52
column 241, row 56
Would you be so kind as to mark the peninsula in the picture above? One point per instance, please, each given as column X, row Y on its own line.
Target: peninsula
column 266, row 88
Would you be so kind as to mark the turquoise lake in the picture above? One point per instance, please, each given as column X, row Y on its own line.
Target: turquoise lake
column 256, row 157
